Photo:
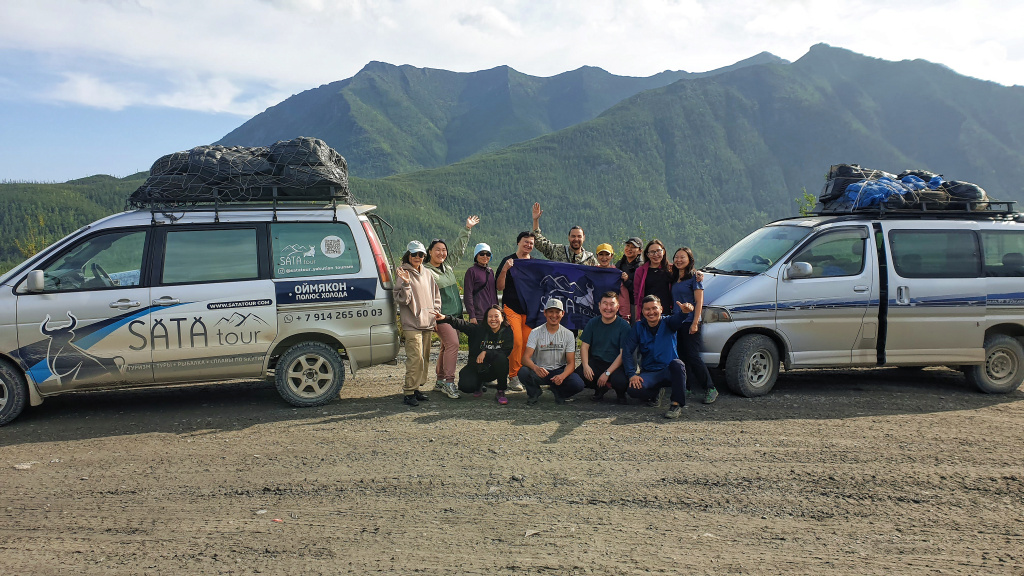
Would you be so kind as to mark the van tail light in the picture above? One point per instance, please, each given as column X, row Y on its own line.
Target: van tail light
column 383, row 270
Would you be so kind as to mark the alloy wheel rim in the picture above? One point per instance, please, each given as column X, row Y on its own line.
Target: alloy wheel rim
column 758, row 368
column 310, row 375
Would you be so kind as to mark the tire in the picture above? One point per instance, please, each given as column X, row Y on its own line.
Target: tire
column 1003, row 369
column 13, row 393
column 309, row 374
column 752, row 366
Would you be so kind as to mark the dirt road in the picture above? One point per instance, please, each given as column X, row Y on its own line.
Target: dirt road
column 844, row 472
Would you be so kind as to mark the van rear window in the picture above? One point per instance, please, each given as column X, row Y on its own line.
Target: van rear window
column 935, row 253
column 313, row 249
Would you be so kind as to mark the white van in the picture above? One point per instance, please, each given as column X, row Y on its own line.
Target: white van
column 898, row 289
column 200, row 294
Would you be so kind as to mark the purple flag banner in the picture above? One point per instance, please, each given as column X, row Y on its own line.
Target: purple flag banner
column 578, row 287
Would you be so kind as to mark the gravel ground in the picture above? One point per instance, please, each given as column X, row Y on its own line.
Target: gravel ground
column 845, row 472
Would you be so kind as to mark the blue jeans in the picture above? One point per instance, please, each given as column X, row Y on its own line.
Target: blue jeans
column 533, row 383
column 673, row 375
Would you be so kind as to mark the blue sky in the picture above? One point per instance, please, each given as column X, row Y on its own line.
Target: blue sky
column 107, row 86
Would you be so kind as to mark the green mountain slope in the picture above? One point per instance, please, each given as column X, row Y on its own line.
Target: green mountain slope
column 391, row 119
column 702, row 162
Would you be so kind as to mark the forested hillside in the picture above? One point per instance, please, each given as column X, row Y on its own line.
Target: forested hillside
column 390, row 119
column 33, row 216
column 699, row 162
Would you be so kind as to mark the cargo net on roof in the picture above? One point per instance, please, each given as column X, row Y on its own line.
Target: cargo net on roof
column 849, row 187
column 302, row 169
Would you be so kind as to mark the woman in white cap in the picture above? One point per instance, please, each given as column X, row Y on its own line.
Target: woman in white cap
column 441, row 263
column 478, row 291
column 419, row 301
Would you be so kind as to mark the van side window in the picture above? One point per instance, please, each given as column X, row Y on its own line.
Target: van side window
column 833, row 254
column 313, row 249
column 210, row 255
column 100, row 261
column 935, row 253
column 1004, row 253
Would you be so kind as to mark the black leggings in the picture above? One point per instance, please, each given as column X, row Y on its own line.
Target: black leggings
column 473, row 375
column 689, row 346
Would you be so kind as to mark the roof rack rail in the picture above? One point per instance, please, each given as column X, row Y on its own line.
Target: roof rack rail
column 277, row 203
column 995, row 209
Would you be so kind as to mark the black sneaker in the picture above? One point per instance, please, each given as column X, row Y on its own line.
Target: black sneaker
column 421, row 396
column 599, row 394
column 674, row 411
column 531, row 400
column 411, row 400
column 622, row 400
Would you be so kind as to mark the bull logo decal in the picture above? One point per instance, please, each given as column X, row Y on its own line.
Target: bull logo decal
column 68, row 362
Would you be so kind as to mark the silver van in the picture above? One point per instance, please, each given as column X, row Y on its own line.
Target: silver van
column 201, row 294
column 897, row 289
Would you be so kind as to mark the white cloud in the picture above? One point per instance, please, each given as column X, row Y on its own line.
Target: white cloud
column 239, row 55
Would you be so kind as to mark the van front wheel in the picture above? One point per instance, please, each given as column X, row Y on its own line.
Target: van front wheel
column 310, row 374
column 13, row 393
column 1002, row 371
column 752, row 365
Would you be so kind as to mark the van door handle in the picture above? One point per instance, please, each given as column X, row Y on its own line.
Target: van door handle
column 860, row 288
column 165, row 301
column 125, row 303
column 902, row 295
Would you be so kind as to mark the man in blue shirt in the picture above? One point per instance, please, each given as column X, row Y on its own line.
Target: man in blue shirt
column 603, row 339
column 655, row 337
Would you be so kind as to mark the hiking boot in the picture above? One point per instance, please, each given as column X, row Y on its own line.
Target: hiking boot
column 450, row 389
column 560, row 400
column 711, row 396
column 531, row 400
column 439, row 385
column 410, row 399
column 674, row 411
column 500, row 397
column 599, row 394
column 515, row 385
column 658, row 400
column 420, row 396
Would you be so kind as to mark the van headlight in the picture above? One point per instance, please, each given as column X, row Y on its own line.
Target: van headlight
column 714, row 314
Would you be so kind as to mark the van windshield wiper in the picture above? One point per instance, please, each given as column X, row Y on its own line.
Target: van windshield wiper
column 720, row 271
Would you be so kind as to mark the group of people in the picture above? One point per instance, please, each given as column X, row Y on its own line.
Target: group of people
column 645, row 344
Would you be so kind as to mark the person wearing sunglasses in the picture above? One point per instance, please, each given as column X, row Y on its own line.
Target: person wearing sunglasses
column 572, row 252
column 478, row 289
column 441, row 264
column 419, row 301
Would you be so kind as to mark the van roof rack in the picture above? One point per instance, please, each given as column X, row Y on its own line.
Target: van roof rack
column 994, row 209
column 319, row 200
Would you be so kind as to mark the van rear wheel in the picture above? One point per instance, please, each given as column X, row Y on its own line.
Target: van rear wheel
column 752, row 366
column 1003, row 370
column 13, row 393
column 310, row 374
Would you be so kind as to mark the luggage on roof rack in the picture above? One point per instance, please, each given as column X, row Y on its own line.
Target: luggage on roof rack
column 851, row 188
column 302, row 169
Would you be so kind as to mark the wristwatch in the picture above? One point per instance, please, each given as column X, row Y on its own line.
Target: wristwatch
column 607, row 373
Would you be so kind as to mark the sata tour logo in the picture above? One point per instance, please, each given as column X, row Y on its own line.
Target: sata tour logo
column 577, row 297
column 297, row 255
column 166, row 333
column 67, row 361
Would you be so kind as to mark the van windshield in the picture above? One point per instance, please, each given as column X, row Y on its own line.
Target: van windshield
column 758, row 251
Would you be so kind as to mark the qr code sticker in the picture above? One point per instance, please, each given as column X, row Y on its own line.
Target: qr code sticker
column 332, row 246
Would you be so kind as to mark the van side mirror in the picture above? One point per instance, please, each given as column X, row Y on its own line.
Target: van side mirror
column 35, row 281
column 799, row 270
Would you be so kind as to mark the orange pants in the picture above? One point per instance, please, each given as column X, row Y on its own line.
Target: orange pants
column 521, row 332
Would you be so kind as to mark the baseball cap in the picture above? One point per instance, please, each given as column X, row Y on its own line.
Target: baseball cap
column 635, row 241
column 605, row 248
column 554, row 303
column 415, row 246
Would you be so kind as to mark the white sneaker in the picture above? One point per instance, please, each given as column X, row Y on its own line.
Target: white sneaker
column 450, row 389
column 515, row 385
column 439, row 385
